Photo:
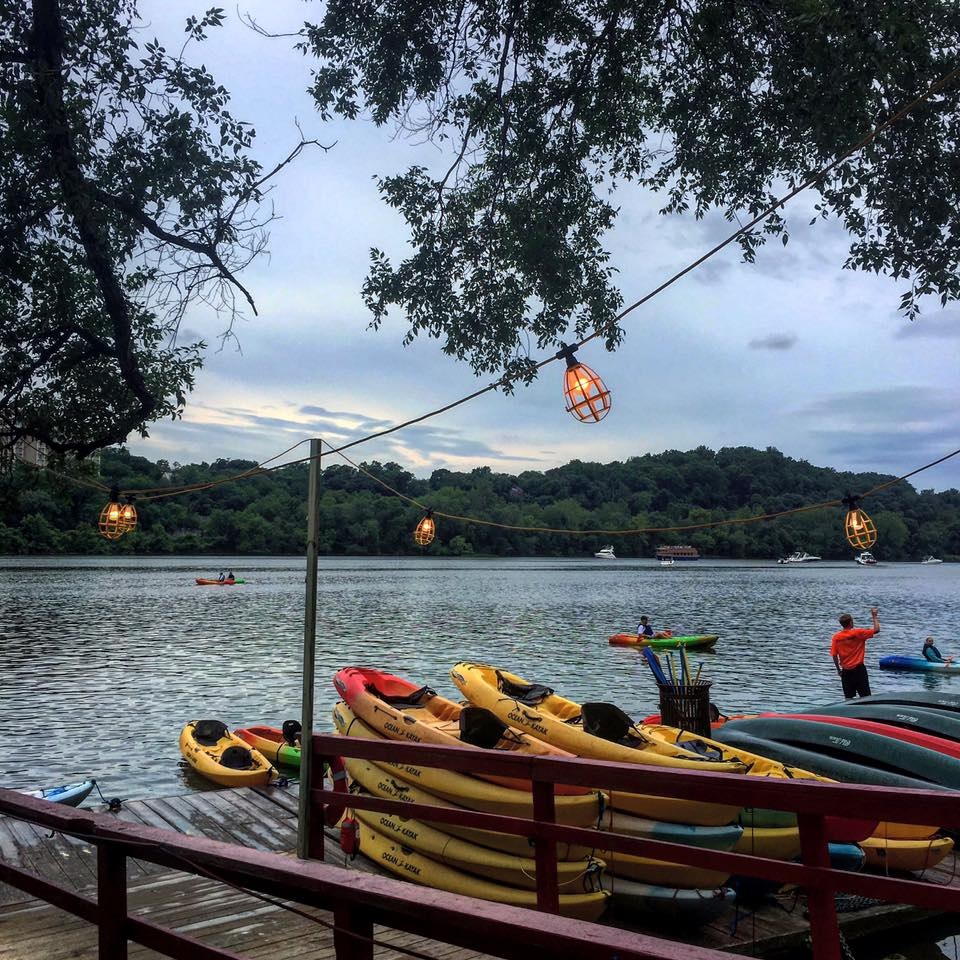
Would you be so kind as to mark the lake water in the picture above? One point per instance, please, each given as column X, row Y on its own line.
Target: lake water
column 103, row 661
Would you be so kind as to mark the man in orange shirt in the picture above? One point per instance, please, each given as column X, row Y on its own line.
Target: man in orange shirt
column 847, row 649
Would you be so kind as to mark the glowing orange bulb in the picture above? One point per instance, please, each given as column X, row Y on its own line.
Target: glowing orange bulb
column 426, row 531
column 585, row 394
column 861, row 531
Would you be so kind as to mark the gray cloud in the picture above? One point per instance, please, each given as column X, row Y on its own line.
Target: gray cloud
column 943, row 326
column 776, row 341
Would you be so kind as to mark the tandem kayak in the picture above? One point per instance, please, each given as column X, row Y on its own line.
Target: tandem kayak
column 699, row 641
column 215, row 753
column 921, row 664
column 202, row 582
column 70, row 794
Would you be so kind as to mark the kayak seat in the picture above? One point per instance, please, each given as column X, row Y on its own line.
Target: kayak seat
column 208, row 732
column 414, row 699
column 529, row 694
column 291, row 732
column 607, row 721
column 237, row 758
column 480, row 728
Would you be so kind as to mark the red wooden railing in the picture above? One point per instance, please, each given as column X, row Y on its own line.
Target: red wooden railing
column 358, row 900
column 810, row 800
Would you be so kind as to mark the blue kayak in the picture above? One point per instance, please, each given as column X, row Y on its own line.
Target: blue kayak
column 70, row 794
column 917, row 663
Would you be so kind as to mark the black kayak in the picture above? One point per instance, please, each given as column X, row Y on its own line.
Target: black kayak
column 855, row 746
column 938, row 723
column 846, row 771
column 927, row 699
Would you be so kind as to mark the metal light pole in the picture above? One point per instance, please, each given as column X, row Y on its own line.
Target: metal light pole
column 309, row 641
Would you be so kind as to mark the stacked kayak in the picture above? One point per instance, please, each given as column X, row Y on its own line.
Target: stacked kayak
column 938, row 723
column 477, row 863
column 702, row 641
column 920, row 664
column 640, row 884
column 399, row 710
column 217, row 754
column 280, row 746
column 861, row 751
column 885, row 760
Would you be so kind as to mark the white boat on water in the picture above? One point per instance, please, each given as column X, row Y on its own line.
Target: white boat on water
column 799, row 556
column 606, row 553
column 667, row 563
column 866, row 559
column 931, row 559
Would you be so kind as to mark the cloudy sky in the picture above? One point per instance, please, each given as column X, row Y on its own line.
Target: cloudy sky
column 791, row 352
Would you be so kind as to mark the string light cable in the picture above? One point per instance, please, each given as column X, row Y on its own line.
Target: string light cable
column 563, row 353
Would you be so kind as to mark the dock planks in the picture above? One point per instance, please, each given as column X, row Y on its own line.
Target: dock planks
column 266, row 819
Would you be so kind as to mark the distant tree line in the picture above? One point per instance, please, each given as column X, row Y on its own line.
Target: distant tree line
column 41, row 513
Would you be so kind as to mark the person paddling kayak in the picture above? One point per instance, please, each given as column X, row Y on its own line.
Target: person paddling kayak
column 931, row 653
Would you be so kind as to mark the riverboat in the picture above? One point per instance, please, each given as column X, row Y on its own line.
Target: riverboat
column 678, row 553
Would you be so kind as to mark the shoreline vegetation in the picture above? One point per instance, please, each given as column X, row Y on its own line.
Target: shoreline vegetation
column 265, row 515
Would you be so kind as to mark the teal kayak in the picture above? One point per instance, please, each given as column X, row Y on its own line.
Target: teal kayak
column 920, row 664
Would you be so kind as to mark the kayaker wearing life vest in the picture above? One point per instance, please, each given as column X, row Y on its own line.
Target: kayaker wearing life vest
column 847, row 649
column 931, row 653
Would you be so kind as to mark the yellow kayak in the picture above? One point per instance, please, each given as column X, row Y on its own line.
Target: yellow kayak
column 381, row 783
column 215, row 753
column 399, row 710
column 470, row 792
column 778, row 843
column 549, row 717
column 469, row 857
column 909, row 855
column 662, row 874
column 412, row 866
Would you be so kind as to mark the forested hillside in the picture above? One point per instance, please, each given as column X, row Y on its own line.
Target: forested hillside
column 43, row 514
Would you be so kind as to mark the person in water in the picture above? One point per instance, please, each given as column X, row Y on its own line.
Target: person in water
column 848, row 648
column 222, row 577
column 644, row 629
column 931, row 653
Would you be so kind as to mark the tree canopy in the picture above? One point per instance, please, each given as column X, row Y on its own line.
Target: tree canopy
column 127, row 192
column 266, row 514
column 545, row 108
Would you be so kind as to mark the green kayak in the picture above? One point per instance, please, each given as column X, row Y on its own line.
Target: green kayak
column 699, row 641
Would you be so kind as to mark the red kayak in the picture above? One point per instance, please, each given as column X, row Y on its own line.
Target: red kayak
column 949, row 748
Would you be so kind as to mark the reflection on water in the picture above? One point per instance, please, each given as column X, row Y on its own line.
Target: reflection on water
column 104, row 661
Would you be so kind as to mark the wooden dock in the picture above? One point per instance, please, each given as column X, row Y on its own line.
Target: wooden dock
column 265, row 819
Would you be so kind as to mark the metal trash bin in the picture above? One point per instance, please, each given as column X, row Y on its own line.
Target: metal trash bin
column 687, row 707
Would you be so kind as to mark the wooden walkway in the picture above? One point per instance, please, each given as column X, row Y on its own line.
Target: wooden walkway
column 266, row 820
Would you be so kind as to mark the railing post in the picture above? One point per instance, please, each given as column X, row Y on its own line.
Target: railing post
column 353, row 933
column 544, row 811
column 111, row 902
column 815, row 852
column 317, row 818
